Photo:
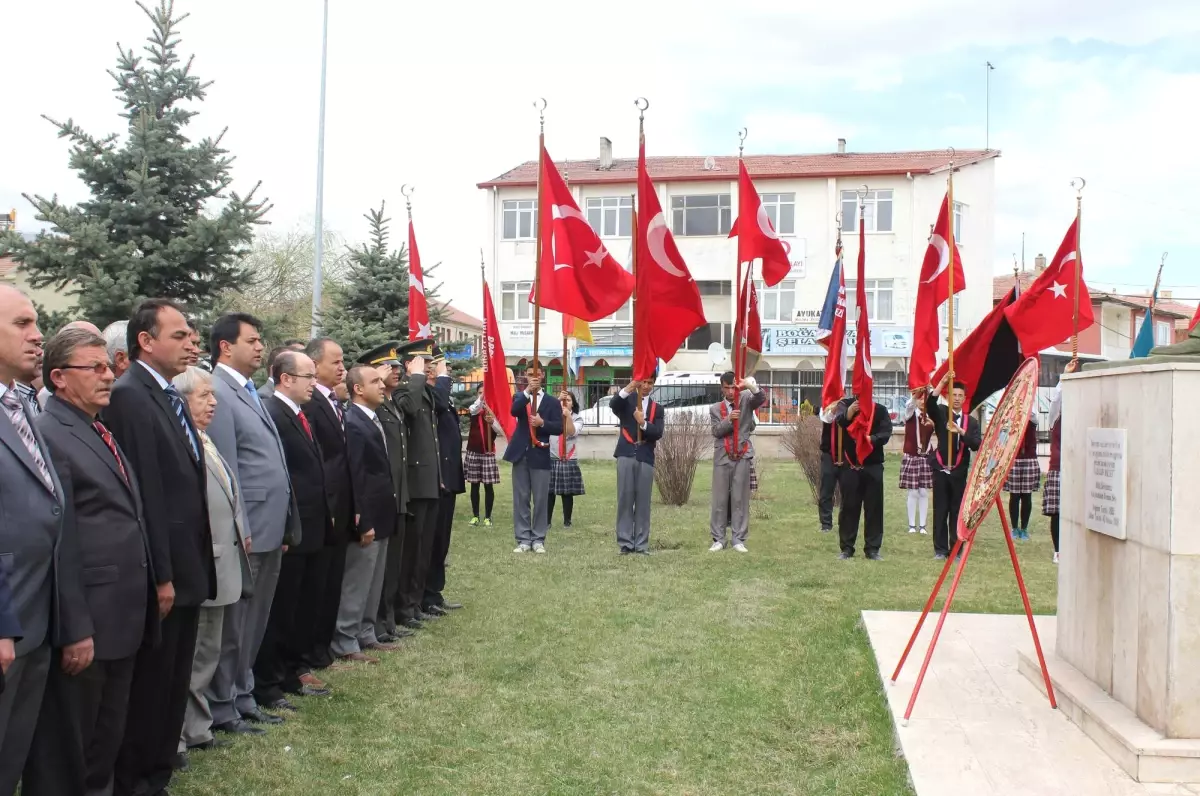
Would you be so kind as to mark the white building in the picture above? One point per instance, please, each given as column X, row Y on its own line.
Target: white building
column 804, row 195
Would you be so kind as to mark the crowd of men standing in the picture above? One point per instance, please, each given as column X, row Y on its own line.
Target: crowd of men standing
column 181, row 553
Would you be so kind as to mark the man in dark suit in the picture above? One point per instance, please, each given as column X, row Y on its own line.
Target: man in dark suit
column 539, row 417
column 387, row 359
column 151, row 423
column 417, row 404
column 325, row 415
column 268, row 388
column 861, row 481
column 641, row 421
column 949, row 467
column 83, row 713
column 279, row 668
column 376, row 506
column 453, row 484
column 39, row 557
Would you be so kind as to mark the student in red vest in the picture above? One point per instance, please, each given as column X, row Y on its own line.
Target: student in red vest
column 480, row 461
column 641, row 421
column 1052, row 488
column 566, row 480
column 1023, row 480
column 916, row 476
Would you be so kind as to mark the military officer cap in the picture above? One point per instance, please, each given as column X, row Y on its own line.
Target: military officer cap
column 417, row 348
column 386, row 354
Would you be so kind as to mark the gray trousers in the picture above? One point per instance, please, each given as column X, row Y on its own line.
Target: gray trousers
column 362, row 585
column 232, row 690
column 635, row 488
column 198, row 718
column 731, row 484
column 529, row 527
column 24, row 685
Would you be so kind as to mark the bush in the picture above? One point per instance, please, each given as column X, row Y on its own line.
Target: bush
column 678, row 453
column 803, row 440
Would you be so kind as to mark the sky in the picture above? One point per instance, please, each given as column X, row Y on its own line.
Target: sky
column 439, row 96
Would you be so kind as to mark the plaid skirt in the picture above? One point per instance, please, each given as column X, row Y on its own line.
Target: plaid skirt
column 1024, row 478
column 565, row 478
column 1051, row 491
column 753, row 477
column 481, row 468
column 915, row 472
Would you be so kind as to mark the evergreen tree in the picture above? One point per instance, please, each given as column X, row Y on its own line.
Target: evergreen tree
column 161, row 221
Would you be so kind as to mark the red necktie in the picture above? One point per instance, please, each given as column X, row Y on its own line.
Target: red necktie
column 107, row 436
column 306, row 426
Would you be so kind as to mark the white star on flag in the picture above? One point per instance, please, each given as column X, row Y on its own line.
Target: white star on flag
column 412, row 280
column 423, row 332
column 596, row 258
column 1059, row 291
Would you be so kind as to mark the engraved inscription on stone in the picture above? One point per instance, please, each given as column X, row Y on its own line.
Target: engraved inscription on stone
column 1104, row 482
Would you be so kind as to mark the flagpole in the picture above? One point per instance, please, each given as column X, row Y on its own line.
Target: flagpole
column 641, row 103
column 540, row 105
column 950, row 298
column 406, row 191
column 563, row 362
column 739, row 361
column 1078, row 261
column 483, row 346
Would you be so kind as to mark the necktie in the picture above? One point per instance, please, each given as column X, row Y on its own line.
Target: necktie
column 107, row 436
column 254, row 394
column 304, row 424
column 379, row 426
column 30, row 396
column 13, row 404
column 181, row 414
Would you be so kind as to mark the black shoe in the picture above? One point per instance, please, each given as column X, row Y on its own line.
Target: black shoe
column 239, row 727
column 844, row 556
column 423, row 617
column 874, row 557
column 210, row 744
column 447, row 606
column 624, row 552
column 180, row 762
column 313, row 691
column 386, row 638
column 413, row 624
column 402, row 632
column 283, row 704
column 567, row 524
column 435, row 610
column 256, row 716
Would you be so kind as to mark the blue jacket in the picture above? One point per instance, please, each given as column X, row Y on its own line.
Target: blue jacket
column 623, row 407
column 520, row 446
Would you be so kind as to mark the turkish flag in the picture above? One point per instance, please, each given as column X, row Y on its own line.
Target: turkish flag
column 668, row 306
column 864, row 380
column 932, row 292
column 1044, row 315
column 578, row 276
column 986, row 359
column 1195, row 320
column 831, row 334
column 418, row 309
column 756, row 235
column 748, row 345
column 497, row 392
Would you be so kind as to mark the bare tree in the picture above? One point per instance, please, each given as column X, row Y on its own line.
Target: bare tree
column 802, row 439
column 677, row 455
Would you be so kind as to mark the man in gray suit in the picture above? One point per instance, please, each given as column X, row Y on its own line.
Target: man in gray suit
column 247, row 439
column 37, row 545
column 732, row 459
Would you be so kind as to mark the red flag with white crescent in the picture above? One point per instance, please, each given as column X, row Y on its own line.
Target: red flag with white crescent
column 418, row 309
column 932, row 292
column 497, row 392
column 757, row 238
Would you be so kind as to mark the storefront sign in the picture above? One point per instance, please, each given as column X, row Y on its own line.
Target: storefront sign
column 801, row 340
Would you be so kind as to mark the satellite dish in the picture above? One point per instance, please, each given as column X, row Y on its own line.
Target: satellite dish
column 710, row 163
column 716, row 354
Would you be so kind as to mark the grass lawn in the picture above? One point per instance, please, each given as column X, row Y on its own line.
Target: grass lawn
column 585, row 672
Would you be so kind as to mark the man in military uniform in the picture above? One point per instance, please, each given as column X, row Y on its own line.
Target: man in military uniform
column 453, row 484
column 387, row 358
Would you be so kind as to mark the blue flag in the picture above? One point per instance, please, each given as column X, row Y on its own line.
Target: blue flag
column 1145, row 336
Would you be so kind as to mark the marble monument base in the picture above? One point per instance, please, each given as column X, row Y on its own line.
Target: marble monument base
column 1128, row 632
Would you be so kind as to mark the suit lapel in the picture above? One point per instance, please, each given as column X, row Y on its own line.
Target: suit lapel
column 223, row 479
column 83, row 431
column 10, row 437
column 159, row 395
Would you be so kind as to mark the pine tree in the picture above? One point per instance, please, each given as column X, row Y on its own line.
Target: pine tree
column 161, row 221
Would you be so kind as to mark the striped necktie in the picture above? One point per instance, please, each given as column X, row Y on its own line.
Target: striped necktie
column 16, row 413
column 181, row 414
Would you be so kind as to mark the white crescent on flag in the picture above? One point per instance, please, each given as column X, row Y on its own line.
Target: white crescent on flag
column 656, row 238
column 943, row 249
column 566, row 211
column 414, row 282
column 764, row 223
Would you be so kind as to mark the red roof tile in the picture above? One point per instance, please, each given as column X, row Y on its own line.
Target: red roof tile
column 681, row 169
column 7, row 266
column 1183, row 313
column 460, row 318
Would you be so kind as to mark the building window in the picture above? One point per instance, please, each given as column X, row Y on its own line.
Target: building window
column 944, row 321
column 781, row 209
column 611, row 216
column 777, row 303
column 1162, row 331
column 876, row 211
column 514, row 302
column 624, row 314
column 879, row 299
column 959, row 210
column 520, row 219
column 703, row 214
column 705, row 336
column 714, row 287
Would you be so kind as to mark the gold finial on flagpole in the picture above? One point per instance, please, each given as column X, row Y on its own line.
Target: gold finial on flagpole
column 742, row 140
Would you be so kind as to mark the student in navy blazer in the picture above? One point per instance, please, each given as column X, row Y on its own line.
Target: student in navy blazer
column 641, row 428
column 530, row 457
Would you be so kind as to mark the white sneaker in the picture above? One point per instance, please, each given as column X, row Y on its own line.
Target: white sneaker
column 912, row 529
column 923, row 531
column 1056, row 558
column 716, row 547
column 538, row 547
column 741, row 548
column 522, row 548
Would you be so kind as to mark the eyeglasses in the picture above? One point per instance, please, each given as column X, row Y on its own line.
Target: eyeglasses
column 301, row 375
column 98, row 368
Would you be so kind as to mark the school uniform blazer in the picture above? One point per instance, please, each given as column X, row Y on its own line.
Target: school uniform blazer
column 521, row 446
column 623, row 406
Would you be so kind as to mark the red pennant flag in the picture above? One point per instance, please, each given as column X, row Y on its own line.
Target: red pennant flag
column 578, row 275
column 1044, row 315
column 749, row 329
column 831, row 333
column 1195, row 320
column 864, row 380
column 668, row 301
column 497, row 392
column 932, row 292
column 418, row 309
column 756, row 235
